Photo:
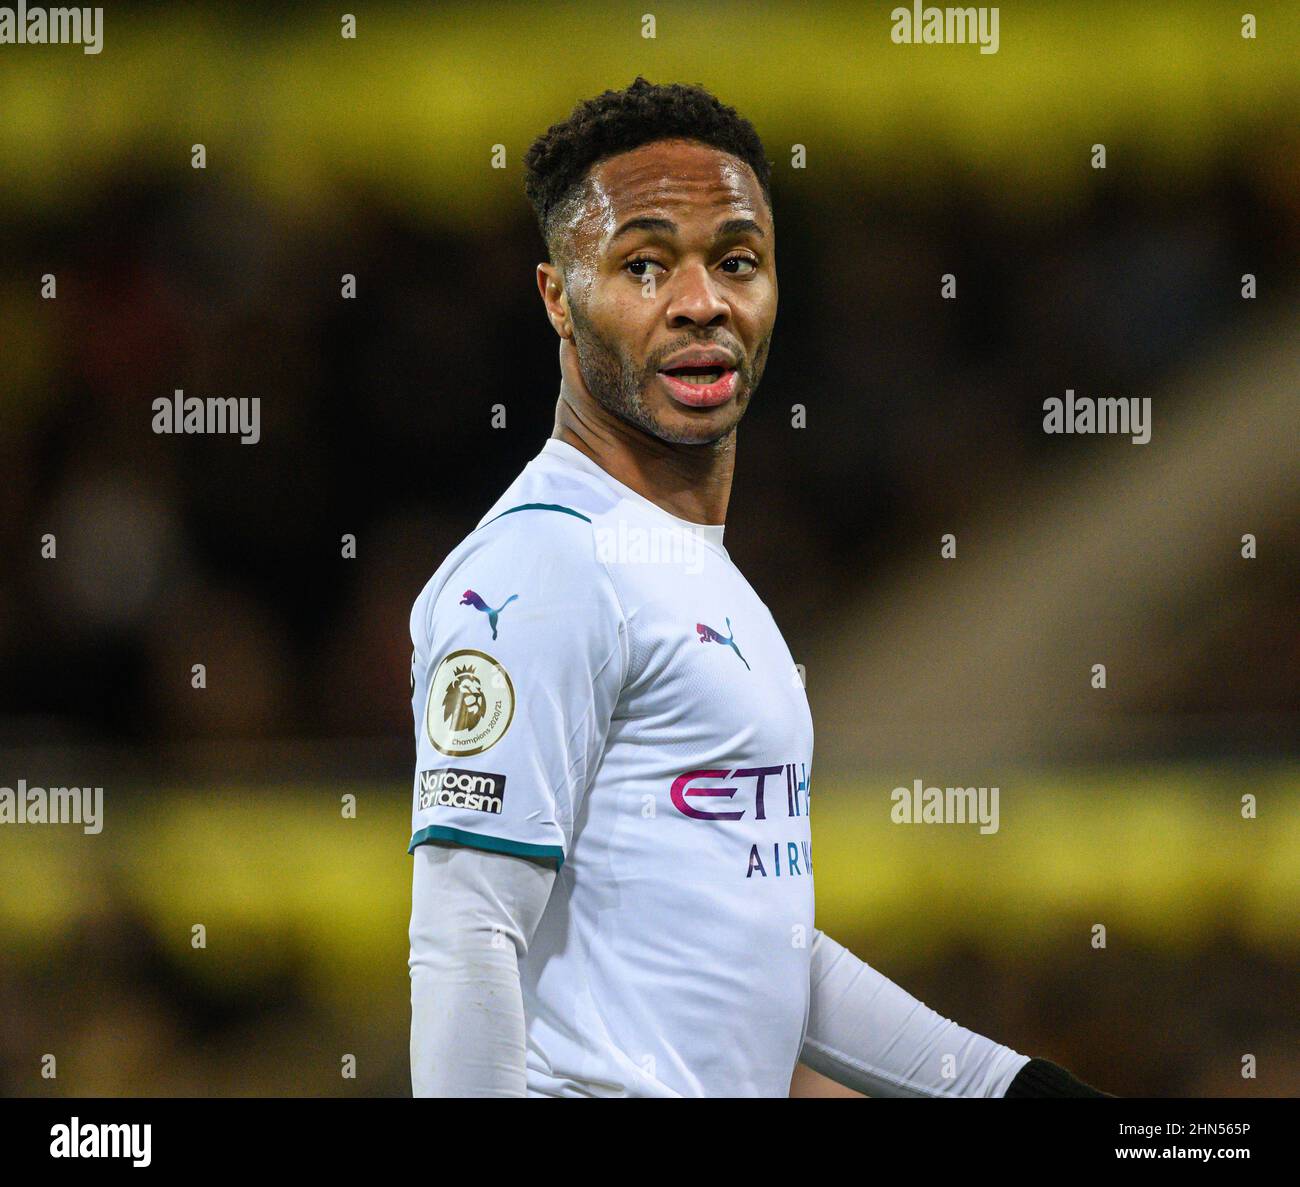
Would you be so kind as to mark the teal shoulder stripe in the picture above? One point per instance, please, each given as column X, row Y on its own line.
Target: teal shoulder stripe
column 460, row 836
column 541, row 507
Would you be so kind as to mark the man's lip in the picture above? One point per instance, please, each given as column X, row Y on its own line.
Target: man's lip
column 699, row 395
column 700, row 358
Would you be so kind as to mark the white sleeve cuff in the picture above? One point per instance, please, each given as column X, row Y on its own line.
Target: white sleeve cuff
column 872, row 1036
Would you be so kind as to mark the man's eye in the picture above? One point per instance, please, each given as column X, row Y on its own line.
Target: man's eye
column 748, row 266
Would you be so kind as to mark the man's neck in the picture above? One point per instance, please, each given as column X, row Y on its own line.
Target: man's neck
column 692, row 482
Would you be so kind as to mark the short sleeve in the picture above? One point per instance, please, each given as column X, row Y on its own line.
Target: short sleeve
column 520, row 655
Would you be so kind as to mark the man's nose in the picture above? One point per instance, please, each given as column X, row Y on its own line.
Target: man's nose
column 696, row 298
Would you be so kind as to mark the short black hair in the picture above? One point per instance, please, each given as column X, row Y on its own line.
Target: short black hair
column 618, row 121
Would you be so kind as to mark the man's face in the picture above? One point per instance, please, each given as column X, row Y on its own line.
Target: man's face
column 694, row 219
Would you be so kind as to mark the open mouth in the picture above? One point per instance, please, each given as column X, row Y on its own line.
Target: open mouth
column 700, row 387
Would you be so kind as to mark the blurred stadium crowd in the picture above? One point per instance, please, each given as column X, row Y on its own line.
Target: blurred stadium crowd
column 377, row 421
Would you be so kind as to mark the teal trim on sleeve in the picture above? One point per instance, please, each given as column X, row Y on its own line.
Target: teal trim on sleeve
column 541, row 507
column 460, row 836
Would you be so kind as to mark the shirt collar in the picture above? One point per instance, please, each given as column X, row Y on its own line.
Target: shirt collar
column 563, row 452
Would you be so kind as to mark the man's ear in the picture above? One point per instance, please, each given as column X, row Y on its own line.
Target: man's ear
column 550, row 283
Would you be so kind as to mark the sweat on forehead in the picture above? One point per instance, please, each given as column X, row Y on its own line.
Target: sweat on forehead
column 666, row 178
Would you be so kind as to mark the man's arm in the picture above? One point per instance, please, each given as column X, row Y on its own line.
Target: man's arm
column 473, row 915
column 510, row 718
column 869, row 1034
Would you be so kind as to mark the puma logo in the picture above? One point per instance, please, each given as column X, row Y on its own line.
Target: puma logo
column 709, row 635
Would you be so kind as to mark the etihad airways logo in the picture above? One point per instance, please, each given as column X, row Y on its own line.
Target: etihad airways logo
column 756, row 786
column 753, row 792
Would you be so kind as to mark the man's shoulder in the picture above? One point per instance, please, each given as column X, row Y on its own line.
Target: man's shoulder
column 547, row 519
column 546, row 489
column 540, row 534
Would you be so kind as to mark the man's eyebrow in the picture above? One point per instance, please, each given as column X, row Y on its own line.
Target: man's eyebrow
column 738, row 226
column 728, row 230
column 645, row 223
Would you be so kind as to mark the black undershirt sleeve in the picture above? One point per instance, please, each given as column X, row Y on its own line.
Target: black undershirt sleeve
column 1042, row 1077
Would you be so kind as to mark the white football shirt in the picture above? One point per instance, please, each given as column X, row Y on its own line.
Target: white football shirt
column 595, row 683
